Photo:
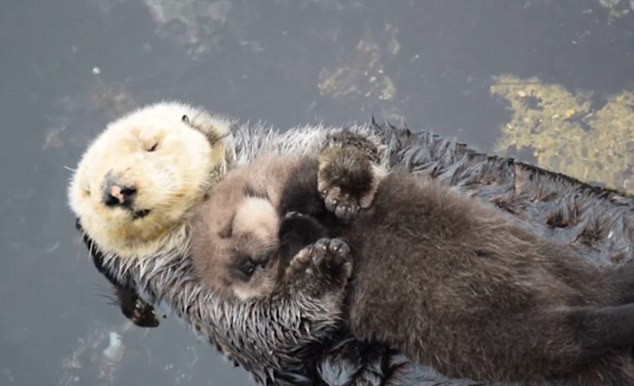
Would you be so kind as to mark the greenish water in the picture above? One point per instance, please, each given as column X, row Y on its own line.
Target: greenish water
column 69, row 67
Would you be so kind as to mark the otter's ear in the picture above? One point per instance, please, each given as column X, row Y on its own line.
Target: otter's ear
column 215, row 127
column 218, row 130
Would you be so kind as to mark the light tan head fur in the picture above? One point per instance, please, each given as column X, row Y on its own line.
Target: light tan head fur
column 235, row 233
column 171, row 154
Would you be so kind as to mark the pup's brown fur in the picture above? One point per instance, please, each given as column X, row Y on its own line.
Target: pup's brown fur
column 462, row 289
column 235, row 232
column 439, row 276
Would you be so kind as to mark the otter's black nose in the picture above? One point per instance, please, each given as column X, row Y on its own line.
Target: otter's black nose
column 115, row 194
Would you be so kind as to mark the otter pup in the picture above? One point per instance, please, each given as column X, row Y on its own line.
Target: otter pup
column 445, row 279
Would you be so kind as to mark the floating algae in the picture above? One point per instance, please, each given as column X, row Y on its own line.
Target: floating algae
column 194, row 23
column 112, row 99
column 107, row 101
column 617, row 8
column 197, row 25
column 585, row 135
column 362, row 73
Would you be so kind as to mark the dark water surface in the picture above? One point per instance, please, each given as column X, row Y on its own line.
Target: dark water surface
column 476, row 70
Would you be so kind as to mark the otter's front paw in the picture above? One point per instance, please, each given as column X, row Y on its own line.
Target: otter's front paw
column 321, row 268
column 347, row 181
column 348, row 174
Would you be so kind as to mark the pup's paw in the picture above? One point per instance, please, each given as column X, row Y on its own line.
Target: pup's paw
column 321, row 268
column 348, row 174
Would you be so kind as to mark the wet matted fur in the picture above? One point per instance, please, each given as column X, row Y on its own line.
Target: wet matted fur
column 598, row 223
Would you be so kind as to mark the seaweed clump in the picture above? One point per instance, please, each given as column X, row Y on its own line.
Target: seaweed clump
column 583, row 134
column 362, row 73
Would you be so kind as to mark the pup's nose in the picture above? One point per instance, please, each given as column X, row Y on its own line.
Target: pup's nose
column 115, row 194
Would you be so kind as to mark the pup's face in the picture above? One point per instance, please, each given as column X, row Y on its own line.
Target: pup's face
column 140, row 178
column 235, row 245
column 240, row 243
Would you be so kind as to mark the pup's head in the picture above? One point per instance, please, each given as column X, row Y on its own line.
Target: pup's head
column 241, row 242
column 235, row 245
column 139, row 180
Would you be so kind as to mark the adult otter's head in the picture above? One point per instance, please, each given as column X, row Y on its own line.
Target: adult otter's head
column 138, row 181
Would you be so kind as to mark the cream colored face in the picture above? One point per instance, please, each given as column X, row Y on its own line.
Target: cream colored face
column 138, row 181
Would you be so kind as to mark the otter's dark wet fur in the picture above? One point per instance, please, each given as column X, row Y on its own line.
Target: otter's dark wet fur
column 452, row 283
column 597, row 223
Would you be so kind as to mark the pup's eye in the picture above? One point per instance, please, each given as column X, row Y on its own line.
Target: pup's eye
column 185, row 119
column 153, row 147
column 247, row 267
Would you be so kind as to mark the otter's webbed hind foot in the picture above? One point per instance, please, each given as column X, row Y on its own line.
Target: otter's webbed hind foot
column 348, row 174
column 320, row 268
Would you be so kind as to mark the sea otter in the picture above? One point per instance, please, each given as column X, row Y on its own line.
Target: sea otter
column 134, row 193
column 442, row 277
column 597, row 222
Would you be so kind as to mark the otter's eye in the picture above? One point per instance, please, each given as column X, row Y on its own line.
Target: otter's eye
column 244, row 268
column 153, row 147
column 247, row 267
column 185, row 119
